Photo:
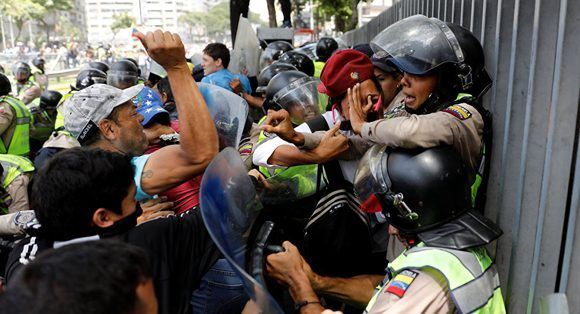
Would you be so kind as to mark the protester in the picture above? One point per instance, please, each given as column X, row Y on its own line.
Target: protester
column 216, row 58
column 89, row 194
column 94, row 277
column 102, row 116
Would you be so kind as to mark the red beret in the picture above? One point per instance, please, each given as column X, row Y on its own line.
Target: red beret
column 343, row 70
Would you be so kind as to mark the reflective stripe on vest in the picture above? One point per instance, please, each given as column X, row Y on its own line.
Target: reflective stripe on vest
column 318, row 66
column 472, row 278
column 13, row 166
column 18, row 144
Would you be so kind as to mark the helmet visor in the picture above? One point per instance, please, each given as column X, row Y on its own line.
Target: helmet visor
column 300, row 99
column 418, row 44
column 369, row 178
column 121, row 79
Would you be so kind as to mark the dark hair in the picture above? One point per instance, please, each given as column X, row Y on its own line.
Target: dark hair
column 93, row 137
column 218, row 51
column 73, row 185
column 5, row 85
column 164, row 87
column 91, row 277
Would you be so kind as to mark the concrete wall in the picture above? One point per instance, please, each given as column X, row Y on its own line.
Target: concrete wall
column 532, row 51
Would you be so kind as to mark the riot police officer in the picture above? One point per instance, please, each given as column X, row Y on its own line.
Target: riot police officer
column 325, row 47
column 299, row 60
column 425, row 197
column 123, row 74
column 14, row 121
column 26, row 89
column 273, row 52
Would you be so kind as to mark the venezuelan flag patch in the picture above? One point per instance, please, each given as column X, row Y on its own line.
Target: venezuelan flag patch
column 399, row 285
column 458, row 111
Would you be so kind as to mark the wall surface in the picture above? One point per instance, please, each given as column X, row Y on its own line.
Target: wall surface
column 532, row 51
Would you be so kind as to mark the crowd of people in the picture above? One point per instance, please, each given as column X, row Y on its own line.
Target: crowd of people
column 371, row 162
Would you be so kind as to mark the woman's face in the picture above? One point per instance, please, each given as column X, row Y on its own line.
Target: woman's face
column 367, row 88
column 389, row 84
column 417, row 89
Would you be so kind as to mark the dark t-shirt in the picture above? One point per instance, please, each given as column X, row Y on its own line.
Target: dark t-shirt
column 179, row 248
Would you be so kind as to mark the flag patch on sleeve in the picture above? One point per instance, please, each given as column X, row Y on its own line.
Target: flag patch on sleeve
column 399, row 285
column 458, row 111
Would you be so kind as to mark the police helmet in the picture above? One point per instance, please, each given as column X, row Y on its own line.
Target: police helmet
column 22, row 71
column 425, row 193
column 299, row 60
column 295, row 92
column 38, row 62
column 273, row 52
column 325, row 48
column 123, row 74
column 49, row 99
column 88, row 77
column 420, row 45
column 269, row 72
column 135, row 63
column 5, row 86
column 98, row 65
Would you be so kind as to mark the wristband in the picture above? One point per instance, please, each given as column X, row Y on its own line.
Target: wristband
column 301, row 304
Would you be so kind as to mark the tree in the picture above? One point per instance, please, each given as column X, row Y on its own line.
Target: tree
column 47, row 16
column 21, row 12
column 120, row 22
column 193, row 20
column 344, row 12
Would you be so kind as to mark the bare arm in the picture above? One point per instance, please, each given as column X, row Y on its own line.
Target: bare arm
column 175, row 164
column 356, row 291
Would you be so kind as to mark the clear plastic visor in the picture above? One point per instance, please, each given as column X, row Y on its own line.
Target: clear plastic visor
column 300, row 99
column 418, row 44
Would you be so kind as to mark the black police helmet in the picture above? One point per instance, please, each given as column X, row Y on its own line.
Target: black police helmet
column 277, row 83
column 269, row 72
column 22, row 66
column 5, row 86
column 124, row 66
column 433, row 183
column 299, row 60
column 280, row 47
column 49, row 99
column 474, row 64
column 135, row 63
column 325, row 48
column 38, row 61
column 98, row 65
column 88, row 77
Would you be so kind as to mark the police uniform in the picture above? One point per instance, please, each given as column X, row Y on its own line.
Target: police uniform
column 28, row 91
column 459, row 125
column 14, row 126
column 439, row 280
column 15, row 179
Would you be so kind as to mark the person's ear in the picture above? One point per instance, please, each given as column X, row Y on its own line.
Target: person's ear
column 104, row 218
column 219, row 62
column 109, row 129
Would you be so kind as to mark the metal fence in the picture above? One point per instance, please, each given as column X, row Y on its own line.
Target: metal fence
column 532, row 51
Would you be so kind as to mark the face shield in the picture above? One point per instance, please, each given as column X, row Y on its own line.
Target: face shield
column 418, row 44
column 300, row 99
column 21, row 74
column 121, row 79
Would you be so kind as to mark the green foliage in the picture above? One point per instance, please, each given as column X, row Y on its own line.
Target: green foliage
column 217, row 21
column 121, row 21
column 343, row 11
column 20, row 11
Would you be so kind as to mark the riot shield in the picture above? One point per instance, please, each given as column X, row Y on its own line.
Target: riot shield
column 228, row 111
column 246, row 54
column 230, row 206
